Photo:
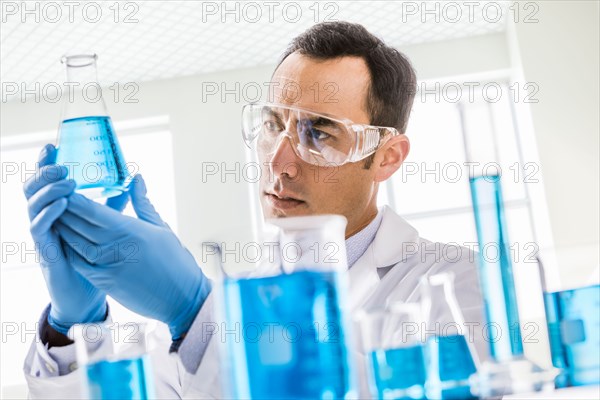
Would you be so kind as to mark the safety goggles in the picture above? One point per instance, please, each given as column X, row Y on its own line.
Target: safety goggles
column 318, row 139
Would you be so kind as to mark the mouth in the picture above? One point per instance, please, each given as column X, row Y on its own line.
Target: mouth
column 283, row 201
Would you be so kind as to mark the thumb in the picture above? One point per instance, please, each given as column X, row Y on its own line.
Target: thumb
column 141, row 205
column 119, row 202
column 47, row 155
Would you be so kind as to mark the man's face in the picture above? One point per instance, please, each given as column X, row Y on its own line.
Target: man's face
column 292, row 187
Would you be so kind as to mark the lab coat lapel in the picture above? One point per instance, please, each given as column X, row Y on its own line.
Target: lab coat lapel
column 387, row 249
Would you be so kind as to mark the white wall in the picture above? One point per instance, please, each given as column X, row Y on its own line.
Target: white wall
column 560, row 53
column 459, row 57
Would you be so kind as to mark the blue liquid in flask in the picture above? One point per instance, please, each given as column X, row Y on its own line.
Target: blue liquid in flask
column 449, row 365
column 88, row 147
column 399, row 373
column 292, row 343
column 495, row 267
column 122, row 379
column 574, row 330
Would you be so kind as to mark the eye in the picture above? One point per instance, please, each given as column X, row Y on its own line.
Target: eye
column 272, row 126
column 317, row 134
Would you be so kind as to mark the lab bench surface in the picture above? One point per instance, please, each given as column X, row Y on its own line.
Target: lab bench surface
column 572, row 393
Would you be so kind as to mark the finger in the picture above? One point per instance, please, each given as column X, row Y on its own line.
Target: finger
column 141, row 204
column 46, row 246
column 94, row 274
column 49, row 194
column 44, row 219
column 118, row 203
column 107, row 255
column 97, row 214
column 45, row 175
column 47, row 155
column 93, row 233
column 77, row 243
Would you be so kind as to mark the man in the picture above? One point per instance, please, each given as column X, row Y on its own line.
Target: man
column 358, row 139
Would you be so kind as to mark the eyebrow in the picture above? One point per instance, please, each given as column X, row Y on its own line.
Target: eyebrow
column 320, row 121
column 272, row 112
column 315, row 120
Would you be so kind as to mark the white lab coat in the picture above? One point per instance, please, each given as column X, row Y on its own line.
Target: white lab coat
column 396, row 248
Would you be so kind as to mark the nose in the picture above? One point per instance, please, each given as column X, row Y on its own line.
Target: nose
column 284, row 160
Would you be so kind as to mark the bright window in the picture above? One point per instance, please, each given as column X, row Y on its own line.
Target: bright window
column 431, row 190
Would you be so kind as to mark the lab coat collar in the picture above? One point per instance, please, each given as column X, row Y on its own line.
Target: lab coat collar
column 387, row 249
column 389, row 246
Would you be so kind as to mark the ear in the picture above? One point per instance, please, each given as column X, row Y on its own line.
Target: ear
column 390, row 157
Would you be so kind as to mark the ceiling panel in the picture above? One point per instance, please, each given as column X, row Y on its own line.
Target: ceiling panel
column 141, row 41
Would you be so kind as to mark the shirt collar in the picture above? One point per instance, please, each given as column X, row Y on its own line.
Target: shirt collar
column 358, row 243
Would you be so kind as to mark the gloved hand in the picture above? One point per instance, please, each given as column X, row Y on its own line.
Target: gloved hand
column 138, row 261
column 73, row 298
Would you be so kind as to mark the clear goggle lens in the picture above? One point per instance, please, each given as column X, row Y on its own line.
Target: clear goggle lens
column 316, row 138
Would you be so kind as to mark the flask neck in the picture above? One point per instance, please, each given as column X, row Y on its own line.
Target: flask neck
column 82, row 92
column 439, row 301
column 81, row 69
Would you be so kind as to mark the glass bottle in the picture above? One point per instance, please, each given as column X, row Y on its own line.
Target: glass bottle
column 87, row 143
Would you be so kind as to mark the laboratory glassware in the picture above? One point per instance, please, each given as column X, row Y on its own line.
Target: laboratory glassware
column 287, row 329
column 393, row 345
column 87, row 142
column 113, row 360
column 509, row 371
column 450, row 357
column 573, row 318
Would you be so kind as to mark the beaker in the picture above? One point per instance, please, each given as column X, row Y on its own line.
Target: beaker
column 87, row 143
column 113, row 360
column 450, row 358
column 393, row 344
column 573, row 318
column 286, row 331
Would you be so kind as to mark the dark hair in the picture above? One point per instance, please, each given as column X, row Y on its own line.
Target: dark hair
column 393, row 80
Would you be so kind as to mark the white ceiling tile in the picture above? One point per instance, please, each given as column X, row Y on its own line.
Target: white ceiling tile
column 174, row 38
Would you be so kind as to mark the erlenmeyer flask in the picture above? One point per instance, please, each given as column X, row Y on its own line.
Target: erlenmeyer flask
column 87, row 143
column 449, row 355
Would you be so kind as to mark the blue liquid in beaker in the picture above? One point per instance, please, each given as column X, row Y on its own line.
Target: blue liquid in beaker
column 286, row 337
column 88, row 147
column 574, row 330
column 122, row 379
column 495, row 267
column 399, row 373
column 449, row 365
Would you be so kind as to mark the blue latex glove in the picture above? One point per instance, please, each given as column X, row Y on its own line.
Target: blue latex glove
column 138, row 261
column 73, row 298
